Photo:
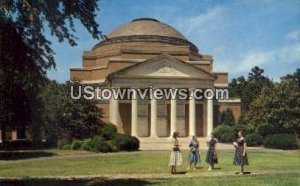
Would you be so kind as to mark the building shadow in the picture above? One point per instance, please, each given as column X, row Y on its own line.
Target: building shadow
column 79, row 182
column 17, row 155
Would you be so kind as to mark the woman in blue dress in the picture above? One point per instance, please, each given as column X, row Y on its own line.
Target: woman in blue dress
column 240, row 156
column 211, row 157
column 194, row 156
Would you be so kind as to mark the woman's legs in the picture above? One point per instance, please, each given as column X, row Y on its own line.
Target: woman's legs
column 242, row 168
column 210, row 167
column 172, row 169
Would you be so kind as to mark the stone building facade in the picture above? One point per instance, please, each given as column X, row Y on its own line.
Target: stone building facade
column 146, row 52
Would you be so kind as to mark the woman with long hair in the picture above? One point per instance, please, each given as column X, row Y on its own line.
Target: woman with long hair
column 240, row 156
column 176, row 156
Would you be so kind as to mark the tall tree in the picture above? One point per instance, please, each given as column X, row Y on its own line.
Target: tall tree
column 276, row 109
column 249, row 88
column 64, row 117
column 26, row 53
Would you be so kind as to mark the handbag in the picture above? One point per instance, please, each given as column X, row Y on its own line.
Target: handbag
column 215, row 158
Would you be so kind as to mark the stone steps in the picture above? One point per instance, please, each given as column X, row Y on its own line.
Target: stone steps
column 158, row 143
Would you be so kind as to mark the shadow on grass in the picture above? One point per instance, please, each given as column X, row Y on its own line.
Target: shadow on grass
column 16, row 155
column 180, row 172
column 82, row 182
column 244, row 173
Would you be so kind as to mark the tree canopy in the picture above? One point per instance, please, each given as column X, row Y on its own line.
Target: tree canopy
column 26, row 53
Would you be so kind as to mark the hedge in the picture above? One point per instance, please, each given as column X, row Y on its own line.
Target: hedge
column 281, row 141
column 254, row 140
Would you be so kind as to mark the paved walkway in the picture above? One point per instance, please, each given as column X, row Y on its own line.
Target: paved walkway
column 151, row 176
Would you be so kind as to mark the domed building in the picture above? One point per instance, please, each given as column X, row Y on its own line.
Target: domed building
column 148, row 53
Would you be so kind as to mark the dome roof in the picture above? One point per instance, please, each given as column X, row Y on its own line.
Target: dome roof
column 146, row 26
column 146, row 30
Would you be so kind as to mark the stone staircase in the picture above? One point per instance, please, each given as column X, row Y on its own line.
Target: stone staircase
column 165, row 143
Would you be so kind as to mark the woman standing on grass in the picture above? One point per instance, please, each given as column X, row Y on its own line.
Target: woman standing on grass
column 176, row 156
column 240, row 157
column 194, row 156
column 211, row 157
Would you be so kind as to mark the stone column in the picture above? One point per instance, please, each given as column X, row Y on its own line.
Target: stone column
column 153, row 132
column 192, row 115
column 14, row 135
column 210, row 117
column 114, row 112
column 173, row 116
column 134, row 115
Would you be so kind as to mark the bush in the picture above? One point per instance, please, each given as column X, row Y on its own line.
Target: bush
column 87, row 144
column 281, row 141
column 99, row 145
column 241, row 127
column 16, row 145
column 254, row 140
column 66, row 147
column 126, row 142
column 76, row 144
column 109, row 131
column 114, row 147
column 63, row 144
column 224, row 133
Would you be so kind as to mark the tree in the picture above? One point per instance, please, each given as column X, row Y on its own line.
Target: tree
column 227, row 117
column 30, row 17
column 249, row 88
column 26, row 53
column 276, row 109
column 63, row 117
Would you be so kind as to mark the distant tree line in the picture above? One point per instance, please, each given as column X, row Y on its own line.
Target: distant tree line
column 267, row 108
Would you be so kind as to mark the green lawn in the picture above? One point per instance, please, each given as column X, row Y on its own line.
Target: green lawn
column 266, row 167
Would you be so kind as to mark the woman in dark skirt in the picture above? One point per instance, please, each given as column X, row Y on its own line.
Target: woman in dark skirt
column 240, row 156
column 211, row 157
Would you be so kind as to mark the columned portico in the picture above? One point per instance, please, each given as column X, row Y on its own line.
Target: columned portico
column 192, row 116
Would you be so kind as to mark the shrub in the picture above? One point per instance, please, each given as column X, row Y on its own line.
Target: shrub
column 63, row 144
column 281, row 141
column 16, row 145
column 99, row 145
column 87, row 144
column 224, row 133
column 126, row 142
column 114, row 147
column 76, row 144
column 109, row 131
column 241, row 127
column 66, row 147
column 254, row 140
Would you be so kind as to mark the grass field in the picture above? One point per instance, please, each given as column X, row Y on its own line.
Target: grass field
column 267, row 167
